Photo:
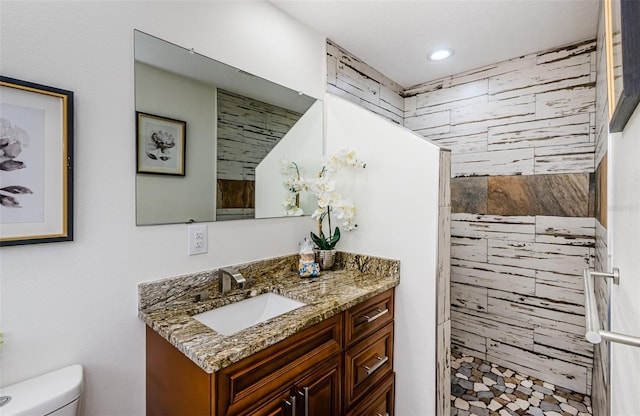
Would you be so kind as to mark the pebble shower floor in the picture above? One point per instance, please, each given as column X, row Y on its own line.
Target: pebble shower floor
column 484, row 389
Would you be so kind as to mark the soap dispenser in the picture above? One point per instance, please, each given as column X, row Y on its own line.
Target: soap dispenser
column 307, row 267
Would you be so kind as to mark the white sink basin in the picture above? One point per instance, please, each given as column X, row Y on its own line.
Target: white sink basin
column 237, row 316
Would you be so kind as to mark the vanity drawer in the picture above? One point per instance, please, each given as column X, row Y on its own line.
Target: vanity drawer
column 367, row 363
column 379, row 402
column 248, row 384
column 367, row 317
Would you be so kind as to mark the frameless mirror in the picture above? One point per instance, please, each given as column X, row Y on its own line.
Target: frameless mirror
column 210, row 137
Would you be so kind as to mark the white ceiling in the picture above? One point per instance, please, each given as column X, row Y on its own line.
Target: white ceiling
column 394, row 36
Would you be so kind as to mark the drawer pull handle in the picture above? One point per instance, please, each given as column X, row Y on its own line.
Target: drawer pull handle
column 306, row 400
column 376, row 316
column 293, row 405
column 380, row 414
column 303, row 394
column 380, row 363
column 288, row 406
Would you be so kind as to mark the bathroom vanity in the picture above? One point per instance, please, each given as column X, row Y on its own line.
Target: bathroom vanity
column 332, row 356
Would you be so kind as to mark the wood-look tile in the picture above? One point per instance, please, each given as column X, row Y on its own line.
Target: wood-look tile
column 565, row 102
column 504, row 162
column 468, row 341
column 581, row 350
column 556, row 371
column 574, row 231
column 492, row 326
column 443, row 273
column 443, row 369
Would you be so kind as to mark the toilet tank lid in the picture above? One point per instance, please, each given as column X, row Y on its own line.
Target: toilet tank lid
column 45, row 393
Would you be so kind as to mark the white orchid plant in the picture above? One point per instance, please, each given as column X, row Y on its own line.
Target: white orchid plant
column 323, row 188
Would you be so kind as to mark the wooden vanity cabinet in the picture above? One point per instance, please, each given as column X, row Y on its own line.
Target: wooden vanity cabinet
column 306, row 366
column 368, row 357
column 342, row 365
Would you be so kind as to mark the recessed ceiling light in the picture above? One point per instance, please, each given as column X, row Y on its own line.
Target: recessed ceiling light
column 440, row 54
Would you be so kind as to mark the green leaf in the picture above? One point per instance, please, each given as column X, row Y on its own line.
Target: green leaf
column 321, row 242
column 325, row 243
column 336, row 237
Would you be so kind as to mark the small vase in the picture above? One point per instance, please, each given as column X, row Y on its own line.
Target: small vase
column 325, row 258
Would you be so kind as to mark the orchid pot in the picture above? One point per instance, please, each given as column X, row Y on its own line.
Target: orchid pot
column 325, row 258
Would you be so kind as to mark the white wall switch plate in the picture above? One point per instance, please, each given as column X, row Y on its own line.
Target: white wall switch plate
column 198, row 239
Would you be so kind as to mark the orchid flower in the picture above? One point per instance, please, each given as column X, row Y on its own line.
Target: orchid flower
column 323, row 188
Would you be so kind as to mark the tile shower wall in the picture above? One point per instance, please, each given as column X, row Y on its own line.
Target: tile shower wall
column 350, row 78
column 522, row 134
column 524, row 150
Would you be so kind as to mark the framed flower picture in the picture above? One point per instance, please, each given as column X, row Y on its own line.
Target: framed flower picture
column 161, row 145
column 36, row 163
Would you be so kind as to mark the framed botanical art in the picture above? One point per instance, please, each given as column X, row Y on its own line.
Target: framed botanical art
column 161, row 144
column 622, row 38
column 36, row 163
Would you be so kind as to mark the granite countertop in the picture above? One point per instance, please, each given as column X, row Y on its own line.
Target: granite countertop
column 167, row 305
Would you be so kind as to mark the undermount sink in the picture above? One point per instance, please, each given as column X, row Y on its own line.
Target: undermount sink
column 241, row 315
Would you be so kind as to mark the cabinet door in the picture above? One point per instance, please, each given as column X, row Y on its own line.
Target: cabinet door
column 319, row 392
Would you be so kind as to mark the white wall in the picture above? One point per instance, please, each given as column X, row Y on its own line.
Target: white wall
column 303, row 145
column 624, row 235
column 74, row 302
column 396, row 199
column 162, row 199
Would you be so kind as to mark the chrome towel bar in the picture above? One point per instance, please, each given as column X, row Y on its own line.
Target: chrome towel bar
column 594, row 334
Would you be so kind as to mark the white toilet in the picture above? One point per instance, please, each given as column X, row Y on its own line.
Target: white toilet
column 56, row 393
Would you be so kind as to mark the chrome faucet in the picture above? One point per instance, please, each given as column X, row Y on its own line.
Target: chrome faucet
column 224, row 279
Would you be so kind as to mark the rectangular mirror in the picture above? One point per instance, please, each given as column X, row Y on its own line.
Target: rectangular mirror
column 222, row 131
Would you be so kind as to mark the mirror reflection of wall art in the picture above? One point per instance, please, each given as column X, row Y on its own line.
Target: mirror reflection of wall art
column 36, row 163
column 161, row 145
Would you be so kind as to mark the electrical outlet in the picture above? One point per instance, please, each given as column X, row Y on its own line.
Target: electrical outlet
column 197, row 239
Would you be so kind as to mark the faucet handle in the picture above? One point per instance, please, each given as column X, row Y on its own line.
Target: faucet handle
column 241, row 281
